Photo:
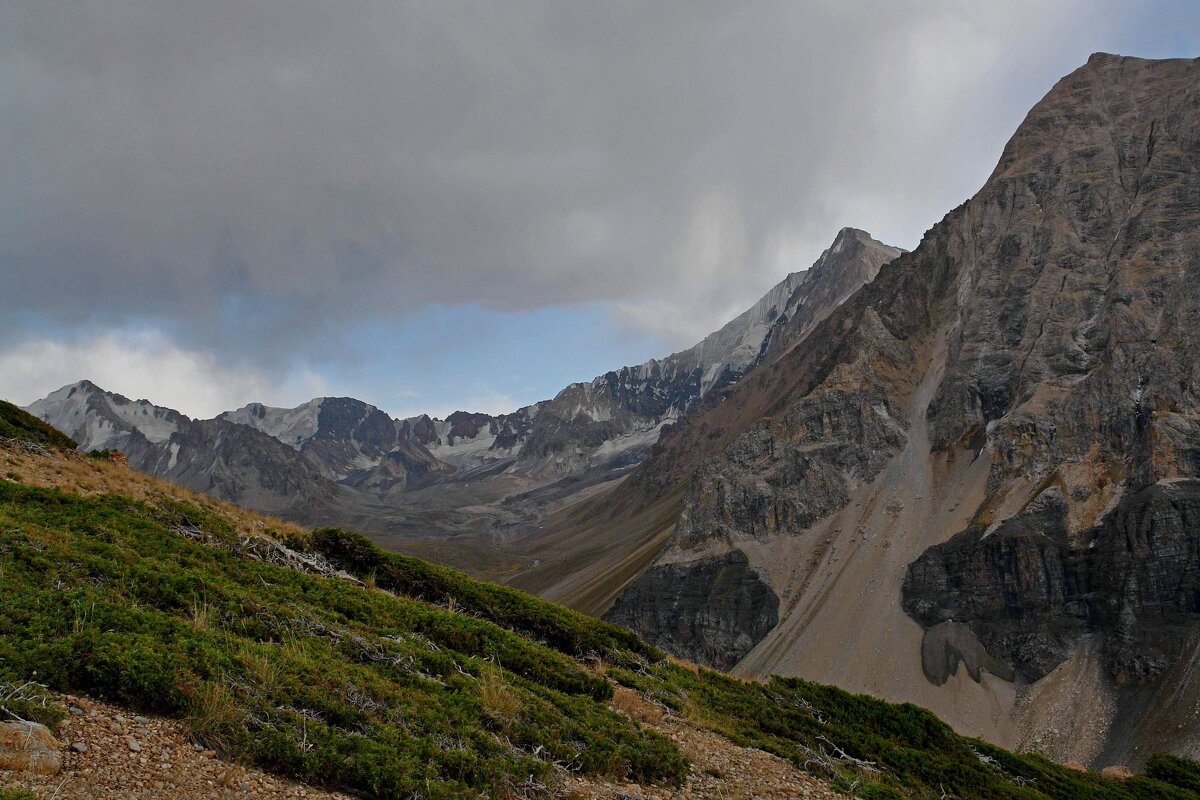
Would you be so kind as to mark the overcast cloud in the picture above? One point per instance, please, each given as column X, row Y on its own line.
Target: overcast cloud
column 250, row 182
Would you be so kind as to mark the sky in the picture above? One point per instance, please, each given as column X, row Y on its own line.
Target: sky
column 434, row 206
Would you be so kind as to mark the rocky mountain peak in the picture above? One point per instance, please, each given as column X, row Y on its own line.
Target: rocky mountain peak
column 982, row 440
column 105, row 420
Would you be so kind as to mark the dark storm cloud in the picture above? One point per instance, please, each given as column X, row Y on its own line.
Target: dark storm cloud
column 273, row 169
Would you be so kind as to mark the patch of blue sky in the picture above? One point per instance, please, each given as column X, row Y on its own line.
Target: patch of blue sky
column 464, row 357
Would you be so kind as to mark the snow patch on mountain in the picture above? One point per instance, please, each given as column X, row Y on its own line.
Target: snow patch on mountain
column 99, row 420
column 292, row 426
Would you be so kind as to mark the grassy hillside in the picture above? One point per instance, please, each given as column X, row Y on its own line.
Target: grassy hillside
column 319, row 656
column 315, row 677
column 15, row 423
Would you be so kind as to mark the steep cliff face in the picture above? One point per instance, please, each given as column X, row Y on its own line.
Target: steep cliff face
column 100, row 420
column 1073, row 344
column 1028, row 594
column 1040, row 336
column 712, row 611
column 242, row 465
column 228, row 460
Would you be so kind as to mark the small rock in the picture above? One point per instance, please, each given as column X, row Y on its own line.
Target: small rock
column 141, row 721
column 76, row 711
column 1118, row 771
column 134, row 744
column 79, row 747
column 29, row 747
column 120, row 719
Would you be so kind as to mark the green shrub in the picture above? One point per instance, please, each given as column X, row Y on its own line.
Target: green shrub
column 879, row 750
column 1174, row 770
column 16, row 794
column 31, row 702
column 439, row 687
column 564, row 629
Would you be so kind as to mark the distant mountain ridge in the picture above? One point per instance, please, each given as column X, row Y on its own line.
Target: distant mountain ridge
column 342, row 458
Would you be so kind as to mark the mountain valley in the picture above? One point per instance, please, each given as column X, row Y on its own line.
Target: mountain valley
column 472, row 482
column 965, row 477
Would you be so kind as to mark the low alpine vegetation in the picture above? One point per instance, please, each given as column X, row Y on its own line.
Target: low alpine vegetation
column 314, row 677
column 872, row 749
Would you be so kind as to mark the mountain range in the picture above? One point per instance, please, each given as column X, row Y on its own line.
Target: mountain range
column 966, row 476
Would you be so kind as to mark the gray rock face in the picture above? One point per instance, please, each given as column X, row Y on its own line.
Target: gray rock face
column 231, row 461
column 1028, row 593
column 781, row 476
column 101, row 420
column 947, row 644
column 619, row 405
column 711, row 611
column 239, row 464
column 1085, row 304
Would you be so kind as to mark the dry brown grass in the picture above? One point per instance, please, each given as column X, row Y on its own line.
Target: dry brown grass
column 636, row 707
column 695, row 668
column 500, row 703
column 71, row 472
column 691, row 666
column 702, row 717
column 213, row 717
column 261, row 668
column 202, row 615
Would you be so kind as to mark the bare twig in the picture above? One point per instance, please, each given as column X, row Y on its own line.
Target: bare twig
column 843, row 757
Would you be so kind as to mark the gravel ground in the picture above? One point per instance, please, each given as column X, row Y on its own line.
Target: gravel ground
column 130, row 757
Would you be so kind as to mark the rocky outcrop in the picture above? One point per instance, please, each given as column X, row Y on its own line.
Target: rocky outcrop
column 229, row 460
column 242, row 465
column 29, row 747
column 100, row 420
column 1071, row 345
column 1028, row 593
column 711, row 611
column 616, row 407
column 782, row 475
